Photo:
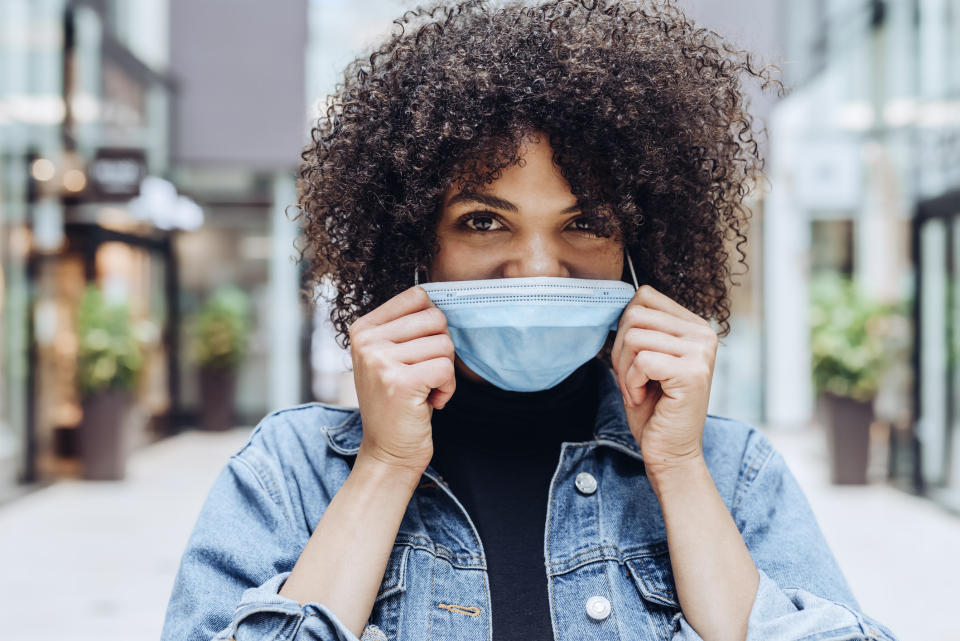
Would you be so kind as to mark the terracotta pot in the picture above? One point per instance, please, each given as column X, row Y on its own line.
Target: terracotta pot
column 847, row 423
column 103, row 437
column 218, row 393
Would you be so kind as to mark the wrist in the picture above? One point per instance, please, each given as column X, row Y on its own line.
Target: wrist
column 671, row 476
column 378, row 471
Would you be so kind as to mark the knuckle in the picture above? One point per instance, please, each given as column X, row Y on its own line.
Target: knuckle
column 355, row 330
column 448, row 346
column 418, row 296
column 634, row 314
column 390, row 379
column 371, row 358
column 360, row 342
column 706, row 355
column 634, row 336
column 436, row 318
column 446, row 367
column 709, row 336
column 702, row 372
column 641, row 358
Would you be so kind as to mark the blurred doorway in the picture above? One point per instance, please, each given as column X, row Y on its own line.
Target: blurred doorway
column 937, row 322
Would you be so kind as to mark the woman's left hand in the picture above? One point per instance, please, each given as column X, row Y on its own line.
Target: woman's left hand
column 663, row 356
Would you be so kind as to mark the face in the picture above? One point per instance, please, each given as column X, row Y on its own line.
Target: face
column 526, row 223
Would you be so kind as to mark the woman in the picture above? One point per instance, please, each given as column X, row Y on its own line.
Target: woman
column 532, row 456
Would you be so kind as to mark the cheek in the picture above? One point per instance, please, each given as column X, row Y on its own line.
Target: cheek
column 462, row 261
column 604, row 261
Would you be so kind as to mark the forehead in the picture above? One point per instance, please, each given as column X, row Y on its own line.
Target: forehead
column 534, row 178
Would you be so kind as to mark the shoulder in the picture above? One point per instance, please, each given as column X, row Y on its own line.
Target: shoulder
column 736, row 451
column 732, row 437
column 311, row 427
column 302, row 449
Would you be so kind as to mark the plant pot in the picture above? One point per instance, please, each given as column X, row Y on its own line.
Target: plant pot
column 847, row 423
column 218, row 393
column 103, row 438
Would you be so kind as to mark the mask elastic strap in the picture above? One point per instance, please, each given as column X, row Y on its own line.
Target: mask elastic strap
column 633, row 274
column 416, row 276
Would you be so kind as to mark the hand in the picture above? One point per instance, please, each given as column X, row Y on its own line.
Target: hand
column 403, row 368
column 663, row 356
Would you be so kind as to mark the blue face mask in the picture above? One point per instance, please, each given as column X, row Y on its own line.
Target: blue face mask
column 528, row 334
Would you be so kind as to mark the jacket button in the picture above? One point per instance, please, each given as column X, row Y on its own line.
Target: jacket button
column 598, row 608
column 585, row 483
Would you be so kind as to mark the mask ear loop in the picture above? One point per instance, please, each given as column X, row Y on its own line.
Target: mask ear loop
column 633, row 274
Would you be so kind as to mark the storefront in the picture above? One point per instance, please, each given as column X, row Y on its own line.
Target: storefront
column 135, row 269
column 84, row 117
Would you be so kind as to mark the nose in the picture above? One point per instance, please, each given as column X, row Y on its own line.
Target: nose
column 535, row 255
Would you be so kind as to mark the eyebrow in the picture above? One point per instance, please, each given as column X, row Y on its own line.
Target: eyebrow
column 496, row 203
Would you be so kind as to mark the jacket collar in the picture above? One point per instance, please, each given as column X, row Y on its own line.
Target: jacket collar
column 610, row 427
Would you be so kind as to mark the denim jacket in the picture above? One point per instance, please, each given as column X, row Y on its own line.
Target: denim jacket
column 607, row 564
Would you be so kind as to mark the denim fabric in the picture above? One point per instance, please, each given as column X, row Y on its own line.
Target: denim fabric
column 610, row 543
column 528, row 334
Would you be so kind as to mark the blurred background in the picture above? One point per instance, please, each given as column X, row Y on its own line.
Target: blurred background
column 150, row 307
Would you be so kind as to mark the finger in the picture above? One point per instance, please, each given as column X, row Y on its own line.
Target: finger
column 425, row 322
column 638, row 338
column 438, row 375
column 650, row 297
column 646, row 367
column 406, row 302
column 637, row 315
column 423, row 349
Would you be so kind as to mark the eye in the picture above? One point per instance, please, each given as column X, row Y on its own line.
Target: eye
column 481, row 222
column 593, row 225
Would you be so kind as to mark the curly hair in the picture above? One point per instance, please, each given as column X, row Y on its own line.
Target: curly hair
column 645, row 116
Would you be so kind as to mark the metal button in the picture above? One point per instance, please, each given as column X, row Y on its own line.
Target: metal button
column 585, row 483
column 598, row 608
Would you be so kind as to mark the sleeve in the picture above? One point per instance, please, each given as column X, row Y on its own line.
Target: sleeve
column 802, row 593
column 236, row 560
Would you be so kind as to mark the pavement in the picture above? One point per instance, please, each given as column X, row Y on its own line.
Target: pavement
column 95, row 561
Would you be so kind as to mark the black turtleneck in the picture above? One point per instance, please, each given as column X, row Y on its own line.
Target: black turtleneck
column 498, row 450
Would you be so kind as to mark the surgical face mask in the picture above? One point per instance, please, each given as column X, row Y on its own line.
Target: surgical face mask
column 528, row 334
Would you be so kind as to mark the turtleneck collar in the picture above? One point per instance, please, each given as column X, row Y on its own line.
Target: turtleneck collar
column 563, row 412
column 484, row 399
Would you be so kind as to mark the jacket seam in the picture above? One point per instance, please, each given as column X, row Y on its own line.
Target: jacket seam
column 244, row 613
column 753, row 463
column 265, row 484
column 858, row 626
column 846, row 631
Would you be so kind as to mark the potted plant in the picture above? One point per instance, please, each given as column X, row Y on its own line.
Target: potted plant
column 851, row 348
column 109, row 359
column 219, row 340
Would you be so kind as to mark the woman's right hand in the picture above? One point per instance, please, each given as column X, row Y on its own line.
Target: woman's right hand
column 403, row 369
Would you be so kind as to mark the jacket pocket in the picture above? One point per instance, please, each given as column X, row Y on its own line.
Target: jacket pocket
column 652, row 575
column 385, row 616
